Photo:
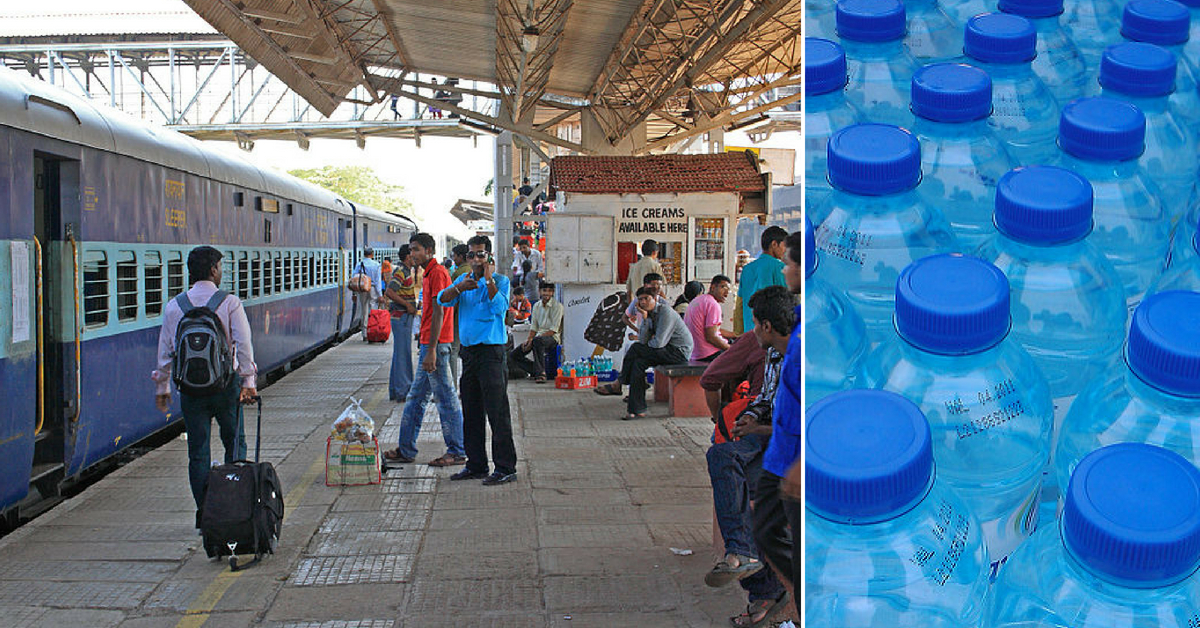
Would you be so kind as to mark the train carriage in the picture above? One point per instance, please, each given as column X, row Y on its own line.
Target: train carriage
column 99, row 213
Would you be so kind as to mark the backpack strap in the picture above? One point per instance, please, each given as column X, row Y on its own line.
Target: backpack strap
column 216, row 300
column 184, row 302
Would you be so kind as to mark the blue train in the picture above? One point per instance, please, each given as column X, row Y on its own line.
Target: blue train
column 100, row 211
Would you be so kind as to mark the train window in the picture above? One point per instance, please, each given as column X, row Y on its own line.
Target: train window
column 287, row 272
column 313, row 278
column 278, row 273
column 243, row 272
column 256, row 270
column 127, row 286
column 228, row 272
column 268, row 273
column 95, row 288
column 175, row 284
column 154, row 283
column 298, row 269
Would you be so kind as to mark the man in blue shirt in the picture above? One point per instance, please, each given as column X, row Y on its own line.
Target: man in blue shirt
column 367, row 300
column 778, row 502
column 765, row 271
column 481, row 300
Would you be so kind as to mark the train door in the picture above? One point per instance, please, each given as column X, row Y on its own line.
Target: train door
column 56, row 197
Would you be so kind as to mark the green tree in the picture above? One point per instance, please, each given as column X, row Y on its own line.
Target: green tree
column 359, row 184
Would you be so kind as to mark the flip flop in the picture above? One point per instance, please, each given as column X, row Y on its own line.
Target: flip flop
column 746, row 619
column 394, row 455
column 633, row 415
column 724, row 572
column 606, row 390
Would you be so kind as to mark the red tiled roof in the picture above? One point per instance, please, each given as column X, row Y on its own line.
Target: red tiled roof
column 722, row 172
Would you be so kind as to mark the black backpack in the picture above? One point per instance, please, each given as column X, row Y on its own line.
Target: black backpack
column 202, row 364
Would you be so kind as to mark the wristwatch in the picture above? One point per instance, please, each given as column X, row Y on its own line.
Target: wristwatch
column 490, row 281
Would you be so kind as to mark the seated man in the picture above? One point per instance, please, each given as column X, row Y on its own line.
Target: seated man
column 703, row 320
column 662, row 339
column 734, row 467
column 519, row 308
column 633, row 316
column 544, row 335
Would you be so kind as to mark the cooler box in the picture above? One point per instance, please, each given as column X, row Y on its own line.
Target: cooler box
column 571, row 383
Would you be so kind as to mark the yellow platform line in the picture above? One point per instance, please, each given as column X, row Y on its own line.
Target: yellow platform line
column 198, row 613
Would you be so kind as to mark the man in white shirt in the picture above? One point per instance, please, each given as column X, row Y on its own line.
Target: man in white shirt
column 544, row 334
column 367, row 300
column 525, row 251
column 204, row 273
column 647, row 264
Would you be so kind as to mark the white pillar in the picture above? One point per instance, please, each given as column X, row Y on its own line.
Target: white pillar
column 502, row 189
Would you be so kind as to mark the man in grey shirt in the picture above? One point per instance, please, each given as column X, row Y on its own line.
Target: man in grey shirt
column 662, row 339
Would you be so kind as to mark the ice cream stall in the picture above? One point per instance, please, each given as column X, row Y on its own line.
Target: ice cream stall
column 608, row 206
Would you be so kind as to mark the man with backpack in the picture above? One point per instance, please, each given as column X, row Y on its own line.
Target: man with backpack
column 204, row 348
column 367, row 299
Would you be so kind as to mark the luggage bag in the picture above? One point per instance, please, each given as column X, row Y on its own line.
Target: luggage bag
column 379, row 326
column 243, row 507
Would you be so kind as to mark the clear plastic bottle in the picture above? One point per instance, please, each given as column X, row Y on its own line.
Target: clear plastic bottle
column 1154, row 398
column 962, row 10
column 1102, row 139
column 1124, row 555
column 1143, row 74
column 874, row 223
column 986, row 401
column 888, row 544
column 1191, row 50
column 932, row 35
column 834, row 336
column 825, row 110
column 961, row 159
column 1166, row 23
column 878, row 65
column 819, row 20
column 1092, row 25
column 1024, row 112
column 1058, row 63
column 1183, row 270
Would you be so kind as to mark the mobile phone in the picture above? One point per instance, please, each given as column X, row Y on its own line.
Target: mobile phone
column 491, row 260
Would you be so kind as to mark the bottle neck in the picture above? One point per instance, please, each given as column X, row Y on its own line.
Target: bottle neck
column 1158, row 398
column 971, row 128
column 1045, row 253
column 1004, row 71
column 825, row 102
column 951, row 363
column 856, row 50
column 1147, row 104
column 1097, row 169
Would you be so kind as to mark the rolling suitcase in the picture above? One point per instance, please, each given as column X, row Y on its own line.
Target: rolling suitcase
column 243, row 507
column 379, row 326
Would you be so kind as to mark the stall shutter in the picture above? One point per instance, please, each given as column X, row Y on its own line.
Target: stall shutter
column 579, row 249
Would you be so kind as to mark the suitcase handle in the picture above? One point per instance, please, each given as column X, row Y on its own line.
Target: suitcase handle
column 257, row 399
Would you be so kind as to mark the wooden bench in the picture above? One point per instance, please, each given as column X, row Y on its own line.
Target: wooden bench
column 679, row 386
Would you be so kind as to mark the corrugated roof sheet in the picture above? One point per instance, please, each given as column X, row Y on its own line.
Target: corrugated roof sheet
column 726, row 172
column 55, row 18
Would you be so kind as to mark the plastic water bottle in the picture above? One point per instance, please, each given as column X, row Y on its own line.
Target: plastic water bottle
column 825, row 110
column 834, row 334
column 960, row 157
column 819, row 20
column 1059, row 63
column 1092, row 25
column 879, row 66
column 932, row 35
column 1144, row 75
column 888, row 544
column 960, row 11
column 1124, row 556
column 1191, row 50
column 1183, row 270
column 1101, row 139
column 1024, row 112
column 1068, row 310
column 1154, row 399
column 987, row 403
column 1166, row 23
column 874, row 223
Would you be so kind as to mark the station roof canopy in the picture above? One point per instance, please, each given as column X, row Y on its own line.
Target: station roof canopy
column 721, row 172
column 682, row 66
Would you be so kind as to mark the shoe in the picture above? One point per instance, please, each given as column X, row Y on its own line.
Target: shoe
column 467, row 474
column 499, row 478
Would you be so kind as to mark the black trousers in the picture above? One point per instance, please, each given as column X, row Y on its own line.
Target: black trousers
column 539, row 347
column 639, row 357
column 484, row 393
column 777, row 527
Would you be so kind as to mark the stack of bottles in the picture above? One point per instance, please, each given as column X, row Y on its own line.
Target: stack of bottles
column 1002, row 313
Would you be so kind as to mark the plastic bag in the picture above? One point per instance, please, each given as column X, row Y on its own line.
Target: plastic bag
column 354, row 424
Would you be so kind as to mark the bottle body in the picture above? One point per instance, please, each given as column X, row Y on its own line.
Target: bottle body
column 927, row 567
column 820, row 20
column 1024, row 113
column 1059, row 63
column 865, row 241
column 932, row 36
column 835, row 341
column 824, row 114
column 1183, row 272
column 878, row 81
column 991, row 417
column 960, row 165
column 1092, row 25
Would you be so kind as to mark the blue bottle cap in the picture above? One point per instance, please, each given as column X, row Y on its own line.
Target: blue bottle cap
column 1043, row 205
column 951, row 92
column 1164, row 342
column 1032, row 9
column 871, row 21
column 810, row 248
column 1138, row 69
column 868, row 456
column 1102, row 129
column 874, row 159
column 1000, row 38
column 824, row 66
column 1162, row 22
column 952, row 304
column 1132, row 513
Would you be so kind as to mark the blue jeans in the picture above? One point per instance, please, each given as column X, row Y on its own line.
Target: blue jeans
column 198, row 415
column 439, row 384
column 734, row 468
column 402, row 365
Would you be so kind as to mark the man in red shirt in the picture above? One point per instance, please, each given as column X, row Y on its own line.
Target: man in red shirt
column 434, row 375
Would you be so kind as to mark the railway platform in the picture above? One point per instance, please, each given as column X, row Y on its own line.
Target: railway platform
column 584, row 537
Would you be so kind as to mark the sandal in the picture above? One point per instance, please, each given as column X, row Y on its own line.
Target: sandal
column 447, row 460
column 633, row 415
column 607, row 390
column 768, row 608
column 732, row 567
column 394, row 455
column 540, row 379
